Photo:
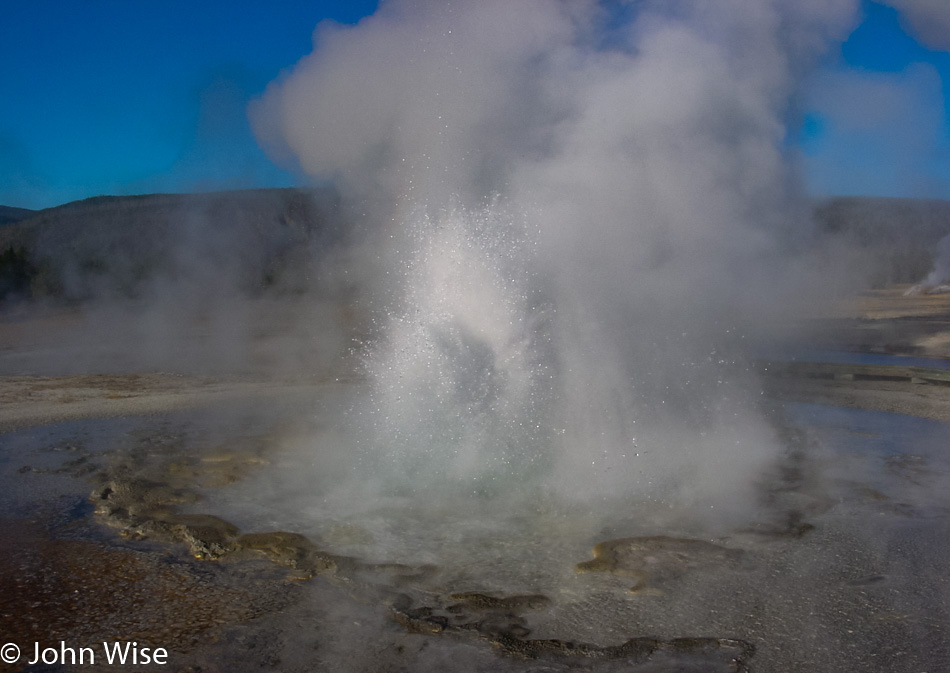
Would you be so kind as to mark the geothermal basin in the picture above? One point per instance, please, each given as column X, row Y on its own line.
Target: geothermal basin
column 205, row 516
column 514, row 385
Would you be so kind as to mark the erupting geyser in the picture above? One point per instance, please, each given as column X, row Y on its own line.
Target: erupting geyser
column 461, row 378
column 582, row 216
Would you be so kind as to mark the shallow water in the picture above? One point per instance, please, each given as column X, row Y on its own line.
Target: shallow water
column 856, row 358
column 859, row 585
column 844, row 568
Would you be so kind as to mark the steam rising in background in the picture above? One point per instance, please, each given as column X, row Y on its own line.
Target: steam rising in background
column 653, row 212
column 928, row 19
column 209, row 284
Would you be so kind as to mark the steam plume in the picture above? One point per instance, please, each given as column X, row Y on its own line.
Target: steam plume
column 929, row 20
column 634, row 153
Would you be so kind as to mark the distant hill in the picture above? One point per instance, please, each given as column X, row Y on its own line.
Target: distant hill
column 272, row 240
column 893, row 239
column 9, row 214
column 125, row 246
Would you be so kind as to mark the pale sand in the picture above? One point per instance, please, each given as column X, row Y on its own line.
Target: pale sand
column 877, row 321
column 38, row 400
column 59, row 364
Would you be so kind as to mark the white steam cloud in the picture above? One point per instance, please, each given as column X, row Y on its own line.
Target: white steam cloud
column 634, row 153
column 886, row 131
column 928, row 19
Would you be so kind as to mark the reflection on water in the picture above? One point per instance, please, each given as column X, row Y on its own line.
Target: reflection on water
column 844, row 568
column 900, row 462
column 854, row 358
column 859, row 582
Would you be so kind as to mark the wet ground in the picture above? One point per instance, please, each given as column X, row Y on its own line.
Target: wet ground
column 141, row 508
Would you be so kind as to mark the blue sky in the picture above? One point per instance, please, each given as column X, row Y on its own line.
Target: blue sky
column 132, row 96
column 136, row 96
column 877, row 121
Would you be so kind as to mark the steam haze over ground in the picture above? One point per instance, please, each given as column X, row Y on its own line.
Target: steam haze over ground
column 232, row 283
column 580, row 219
